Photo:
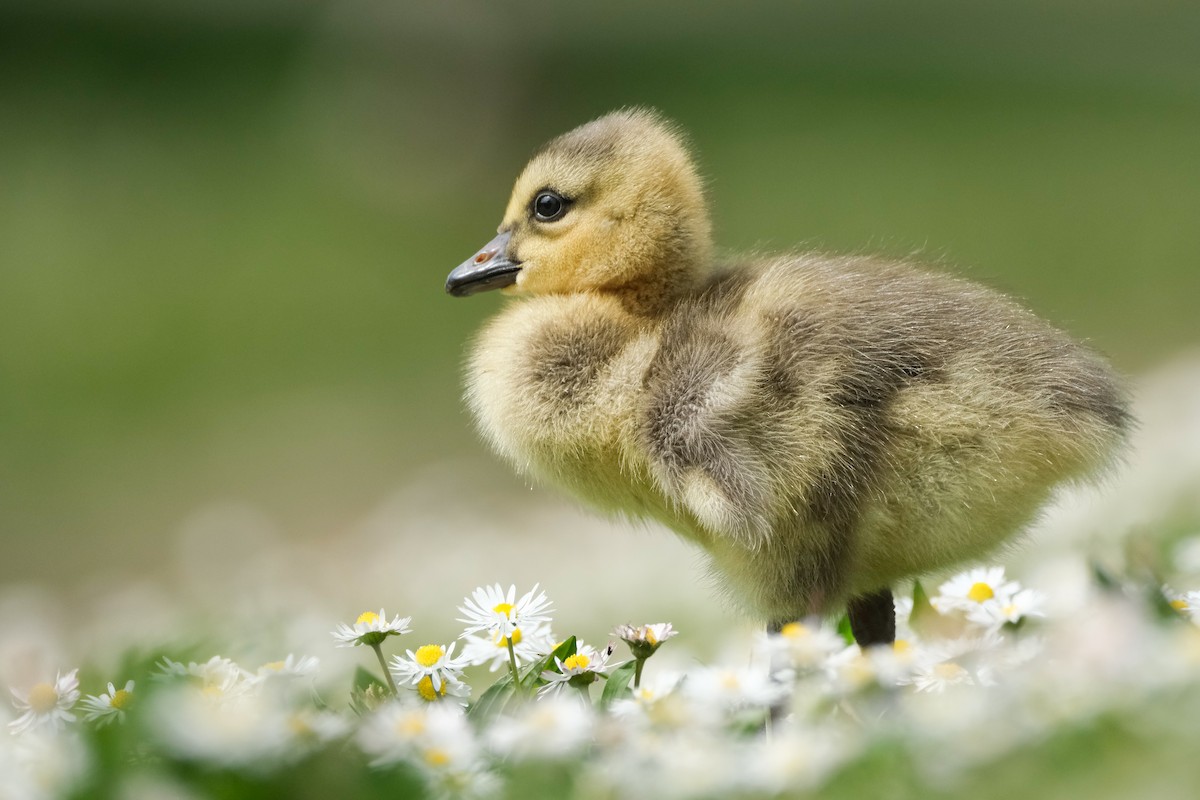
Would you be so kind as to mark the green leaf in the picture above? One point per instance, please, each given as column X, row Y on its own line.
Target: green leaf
column 495, row 699
column 923, row 613
column 364, row 679
column 549, row 664
column 1105, row 578
column 921, row 604
column 617, row 687
column 564, row 651
column 844, row 630
column 1161, row 606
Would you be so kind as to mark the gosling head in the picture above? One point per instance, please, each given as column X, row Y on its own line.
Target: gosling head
column 612, row 206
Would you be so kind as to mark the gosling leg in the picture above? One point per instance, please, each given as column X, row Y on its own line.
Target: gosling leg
column 873, row 618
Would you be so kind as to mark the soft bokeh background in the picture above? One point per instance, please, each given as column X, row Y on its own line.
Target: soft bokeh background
column 224, row 229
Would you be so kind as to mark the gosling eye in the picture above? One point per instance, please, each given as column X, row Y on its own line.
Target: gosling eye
column 549, row 206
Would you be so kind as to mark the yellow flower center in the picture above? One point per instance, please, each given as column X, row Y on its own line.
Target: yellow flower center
column 793, row 630
column 901, row 646
column 274, row 666
column 502, row 642
column 430, row 654
column 121, row 699
column 412, row 726
column 427, row 692
column 949, row 671
column 435, row 757
column 730, row 681
column 577, row 661
column 859, row 671
column 504, row 608
column 1180, row 604
column 650, row 637
column 980, row 592
column 367, row 617
column 43, row 698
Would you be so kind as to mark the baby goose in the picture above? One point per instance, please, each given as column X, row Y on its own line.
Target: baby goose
column 821, row 426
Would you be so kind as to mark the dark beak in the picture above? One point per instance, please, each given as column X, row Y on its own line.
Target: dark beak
column 490, row 268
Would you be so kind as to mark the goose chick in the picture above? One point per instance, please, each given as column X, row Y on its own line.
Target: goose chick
column 822, row 426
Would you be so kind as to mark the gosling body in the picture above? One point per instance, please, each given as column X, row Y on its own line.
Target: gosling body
column 823, row 426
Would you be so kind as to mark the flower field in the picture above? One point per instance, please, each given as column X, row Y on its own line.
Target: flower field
column 1072, row 669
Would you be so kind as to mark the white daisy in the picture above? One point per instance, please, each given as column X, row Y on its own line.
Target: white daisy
column 728, row 688
column 315, row 727
column 995, row 612
column 390, row 733
column 935, row 677
column 529, row 644
column 850, row 670
column 658, row 702
column 291, row 667
column 218, row 678
column 950, row 662
column 451, row 687
column 1186, row 603
column 371, row 629
column 490, row 609
column 644, row 640
column 969, row 589
column 46, row 705
column 427, row 736
column 894, row 665
column 431, row 660
column 554, row 728
column 248, row 730
column 657, row 687
column 803, row 645
column 292, row 677
column 109, row 706
column 580, row 670
column 433, row 670
column 448, row 781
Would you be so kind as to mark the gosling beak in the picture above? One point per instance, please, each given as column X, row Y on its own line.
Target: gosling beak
column 490, row 268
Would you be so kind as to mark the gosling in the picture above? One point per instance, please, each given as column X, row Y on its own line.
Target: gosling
column 823, row 426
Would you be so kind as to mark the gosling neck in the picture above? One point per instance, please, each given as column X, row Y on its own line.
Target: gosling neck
column 677, row 271
column 656, row 296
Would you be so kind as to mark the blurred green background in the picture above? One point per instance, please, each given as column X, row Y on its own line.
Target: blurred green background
column 224, row 226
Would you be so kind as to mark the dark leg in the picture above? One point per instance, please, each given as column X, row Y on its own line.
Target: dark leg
column 873, row 618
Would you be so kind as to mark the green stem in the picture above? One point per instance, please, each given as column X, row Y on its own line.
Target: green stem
column 387, row 673
column 512, row 662
column 637, row 672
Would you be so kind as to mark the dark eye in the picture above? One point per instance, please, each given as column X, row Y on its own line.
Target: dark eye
column 548, row 206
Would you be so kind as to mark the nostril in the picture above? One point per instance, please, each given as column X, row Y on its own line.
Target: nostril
column 486, row 255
